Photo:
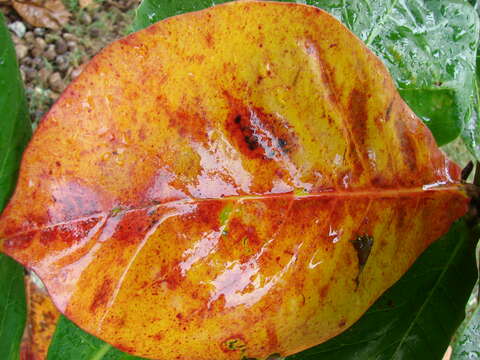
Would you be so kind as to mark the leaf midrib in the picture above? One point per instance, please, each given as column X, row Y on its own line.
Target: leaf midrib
column 374, row 193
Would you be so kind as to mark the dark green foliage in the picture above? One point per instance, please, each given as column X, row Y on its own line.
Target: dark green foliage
column 15, row 130
column 71, row 343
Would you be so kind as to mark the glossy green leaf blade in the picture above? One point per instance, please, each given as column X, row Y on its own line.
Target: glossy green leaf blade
column 15, row 130
column 149, row 12
column 72, row 343
column 471, row 132
column 467, row 345
column 428, row 45
column 12, row 308
column 416, row 318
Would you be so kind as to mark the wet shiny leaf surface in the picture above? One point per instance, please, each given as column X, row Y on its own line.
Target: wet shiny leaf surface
column 471, row 132
column 466, row 347
column 428, row 46
column 12, row 308
column 41, row 321
column 416, row 318
column 14, row 133
column 224, row 178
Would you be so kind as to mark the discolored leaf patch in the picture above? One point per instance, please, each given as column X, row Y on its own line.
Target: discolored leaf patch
column 204, row 187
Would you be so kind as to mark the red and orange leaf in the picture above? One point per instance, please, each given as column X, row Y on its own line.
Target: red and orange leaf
column 41, row 321
column 239, row 181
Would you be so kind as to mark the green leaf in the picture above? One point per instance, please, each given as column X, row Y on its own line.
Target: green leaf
column 467, row 345
column 428, row 45
column 13, row 312
column 15, row 130
column 416, row 318
column 71, row 343
column 471, row 132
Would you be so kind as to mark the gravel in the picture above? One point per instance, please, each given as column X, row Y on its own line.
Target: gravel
column 50, row 59
column 21, row 51
column 56, row 82
column 50, row 54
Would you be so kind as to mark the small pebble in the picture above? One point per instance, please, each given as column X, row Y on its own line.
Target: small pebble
column 40, row 43
column 37, row 62
column 36, row 52
column 38, row 47
column 72, row 45
column 62, row 62
column 61, row 46
column 50, row 53
column 39, row 31
column 27, row 61
column 18, row 28
column 44, row 74
column 86, row 19
column 56, row 83
column 21, row 51
column 29, row 37
column 30, row 73
column 69, row 37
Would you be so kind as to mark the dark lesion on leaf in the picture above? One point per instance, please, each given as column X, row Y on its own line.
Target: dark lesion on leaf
column 234, row 344
column 388, row 113
column 363, row 246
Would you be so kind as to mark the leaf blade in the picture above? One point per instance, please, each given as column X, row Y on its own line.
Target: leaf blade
column 15, row 131
column 398, row 333
column 70, row 342
column 466, row 346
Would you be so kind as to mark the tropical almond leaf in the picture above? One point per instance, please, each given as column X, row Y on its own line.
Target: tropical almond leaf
column 41, row 321
column 419, row 325
column 266, row 189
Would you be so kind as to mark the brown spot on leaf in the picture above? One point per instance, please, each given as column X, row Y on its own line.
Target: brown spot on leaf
column 209, row 40
column 102, row 295
column 407, row 145
column 259, row 134
column 234, row 343
column 363, row 246
column 324, row 291
column 133, row 227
